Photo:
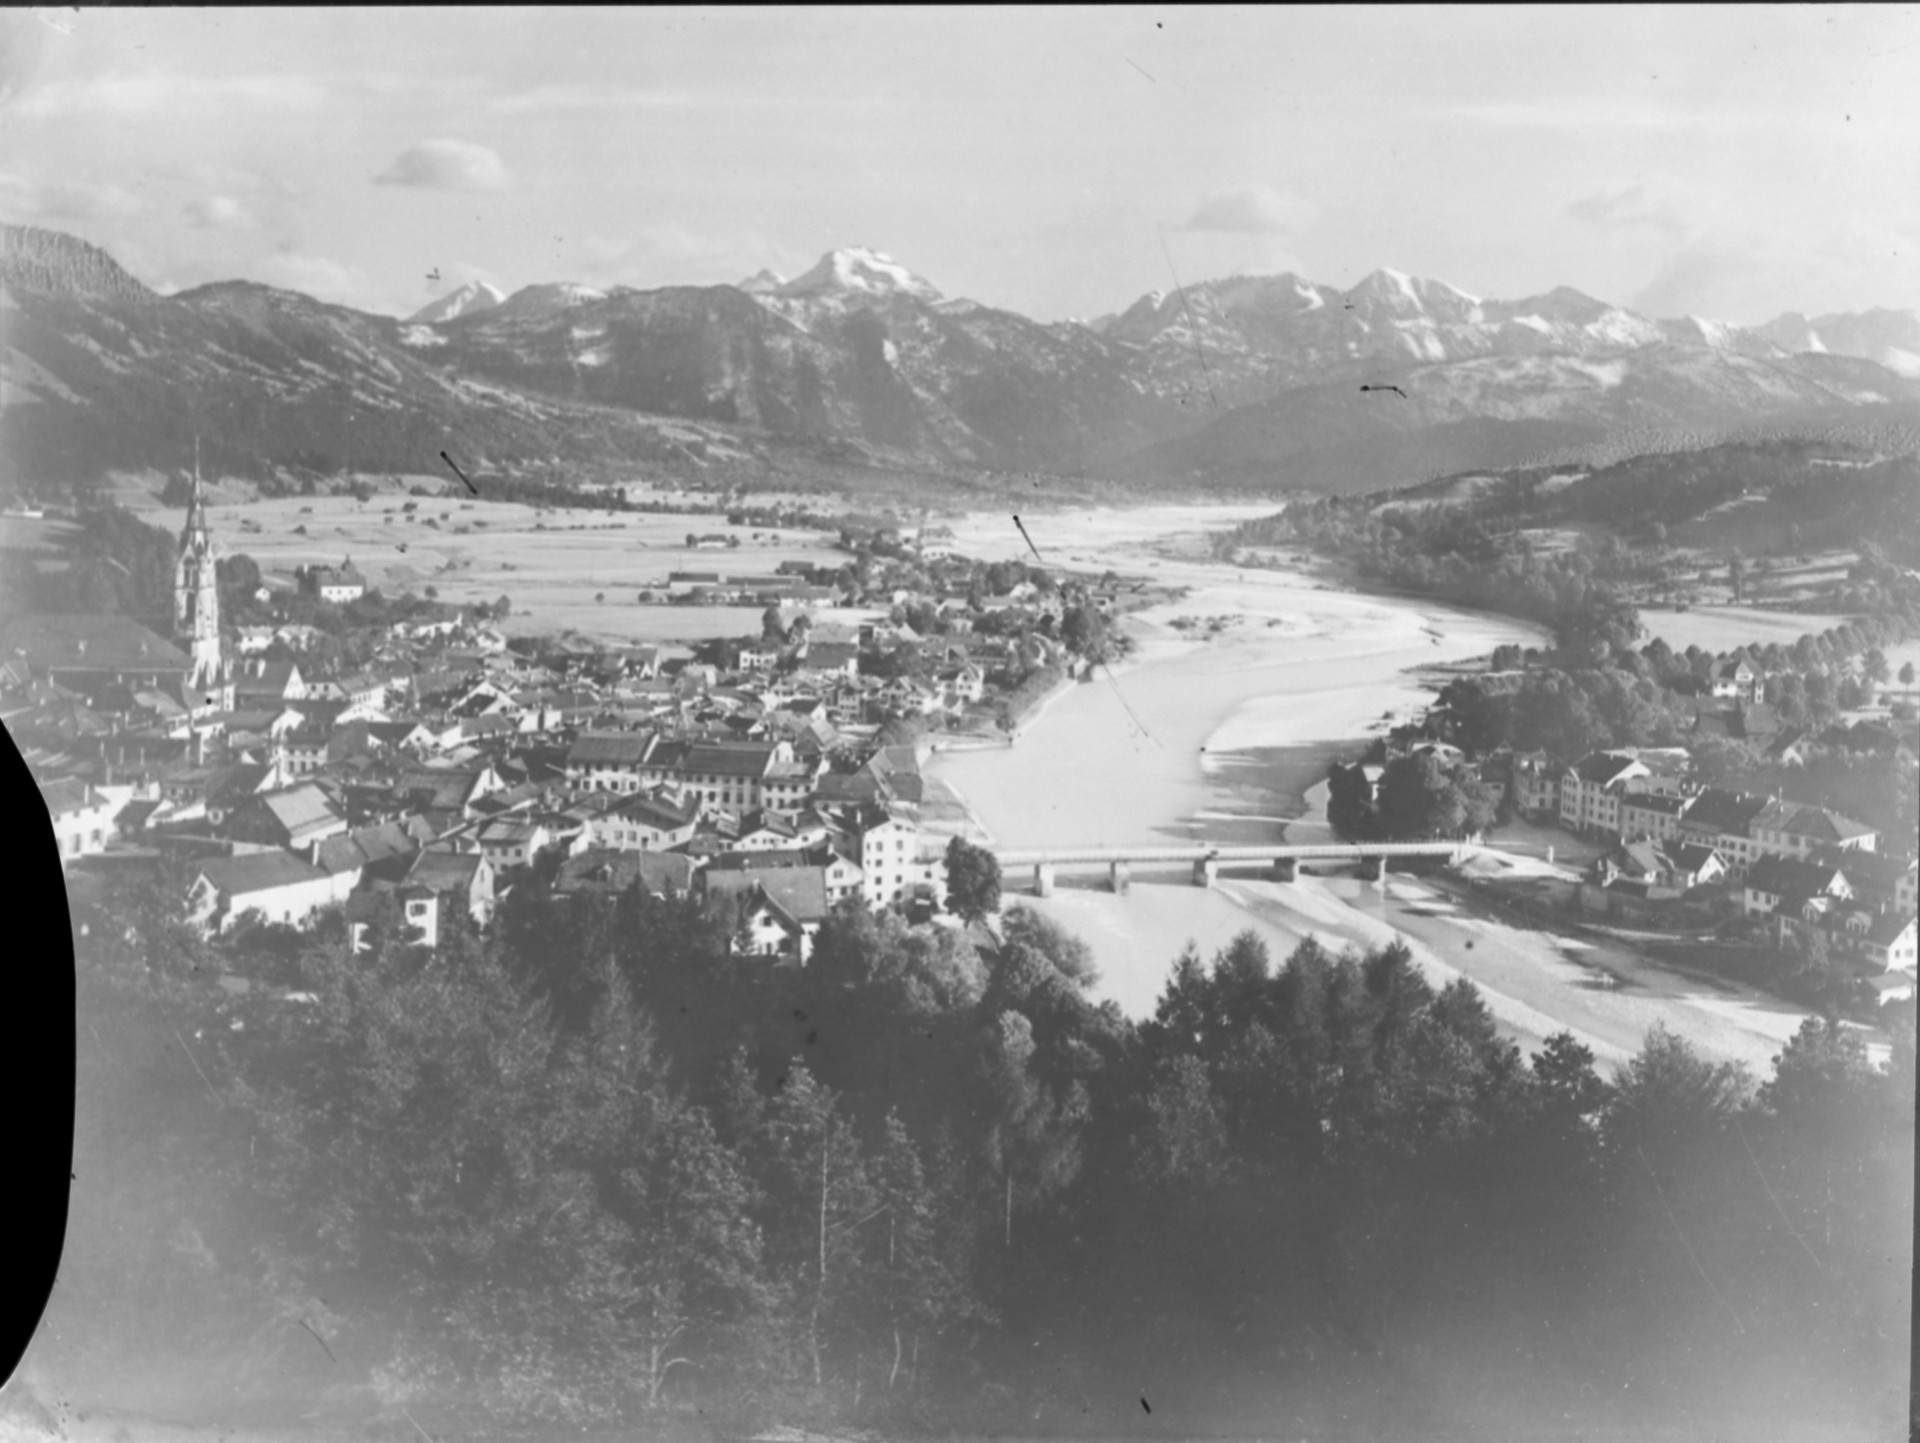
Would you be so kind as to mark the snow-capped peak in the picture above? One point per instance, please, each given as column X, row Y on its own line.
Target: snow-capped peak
column 462, row 301
column 1394, row 289
column 859, row 270
column 763, row 283
column 544, row 300
column 1714, row 333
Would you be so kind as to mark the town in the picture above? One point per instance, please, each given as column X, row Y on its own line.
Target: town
column 430, row 762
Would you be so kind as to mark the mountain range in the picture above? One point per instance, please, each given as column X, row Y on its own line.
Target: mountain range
column 1249, row 381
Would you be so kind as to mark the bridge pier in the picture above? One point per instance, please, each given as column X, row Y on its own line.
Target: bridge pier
column 1043, row 879
column 1285, row 869
column 1120, row 874
column 1374, row 869
column 1205, row 869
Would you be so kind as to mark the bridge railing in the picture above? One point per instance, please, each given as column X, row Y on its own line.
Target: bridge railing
column 1331, row 851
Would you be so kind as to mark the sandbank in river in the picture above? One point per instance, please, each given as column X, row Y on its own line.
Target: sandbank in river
column 1223, row 739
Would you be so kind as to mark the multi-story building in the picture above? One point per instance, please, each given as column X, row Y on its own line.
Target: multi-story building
column 82, row 817
column 1535, row 785
column 610, row 761
column 1773, row 881
column 1591, row 789
column 896, row 860
column 1724, row 820
column 737, row 776
column 1788, row 829
column 1651, row 814
column 650, row 822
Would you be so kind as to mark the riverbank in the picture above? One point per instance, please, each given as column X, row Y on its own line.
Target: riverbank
column 1220, row 728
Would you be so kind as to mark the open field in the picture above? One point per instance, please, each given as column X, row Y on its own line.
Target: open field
column 1722, row 628
column 551, row 564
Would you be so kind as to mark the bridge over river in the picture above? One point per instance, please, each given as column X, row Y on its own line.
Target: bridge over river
column 1282, row 861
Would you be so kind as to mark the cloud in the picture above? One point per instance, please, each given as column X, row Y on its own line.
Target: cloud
column 445, row 165
column 23, row 39
column 590, row 96
column 1652, row 204
column 1253, row 210
column 1697, row 280
column 66, row 201
column 217, row 212
column 132, row 96
column 327, row 280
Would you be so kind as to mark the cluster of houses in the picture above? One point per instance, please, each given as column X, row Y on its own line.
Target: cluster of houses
column 1800, row 867
column 440, row 784
column 432, row 776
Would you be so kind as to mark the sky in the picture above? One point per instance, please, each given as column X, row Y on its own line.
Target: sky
column 1728, row 162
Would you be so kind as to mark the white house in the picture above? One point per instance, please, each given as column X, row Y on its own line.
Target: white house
column 276, row 885
column 82, row 817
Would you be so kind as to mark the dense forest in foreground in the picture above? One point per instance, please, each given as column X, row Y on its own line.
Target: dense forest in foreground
column 588, row 1170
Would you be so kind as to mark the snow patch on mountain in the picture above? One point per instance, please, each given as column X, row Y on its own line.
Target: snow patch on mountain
column 533, row 302
column 465, row 300
column 859, row 270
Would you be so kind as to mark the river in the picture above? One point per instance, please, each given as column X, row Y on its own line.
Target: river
column 1220, row 739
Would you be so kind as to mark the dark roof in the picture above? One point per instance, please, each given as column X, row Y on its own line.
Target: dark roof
column 1691, row 856
column 1655, row 802
column 444, row 871
column 732, row 759
column 800, row 893
column 1886, row 928
column 765, row 859
column 604, row 869
column 1790, row 876
column 1820, row 825
column 660, row 812
column 1724, row 811
column 259, row 871
column 1871, row 871
column 1599, row 768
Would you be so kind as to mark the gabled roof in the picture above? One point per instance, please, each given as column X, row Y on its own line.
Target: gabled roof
column 1691, row 856
column 603, row 869
column 1817, row 824
column 1887, row 927
column 1600, row 768
column 799, row 894
column 1724, row 811
column 300, row 808
column 440, row 871
column 66, row 796
column 1791, row 876
column 661, row 812
column 508, row 832
column 1874, row 871
column 254, row 872
column 727, row 759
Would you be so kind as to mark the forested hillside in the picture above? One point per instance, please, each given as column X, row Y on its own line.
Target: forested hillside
column 593, row 1170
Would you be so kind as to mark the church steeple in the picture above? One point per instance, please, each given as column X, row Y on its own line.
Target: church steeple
column 196, row 601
